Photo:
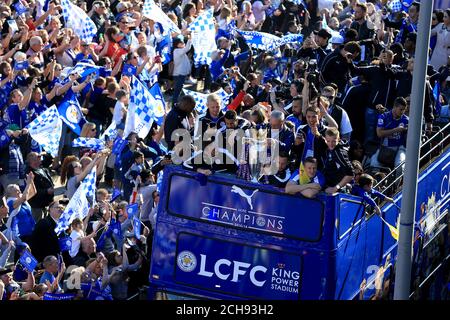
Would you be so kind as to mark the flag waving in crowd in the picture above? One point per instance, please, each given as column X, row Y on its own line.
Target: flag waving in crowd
column 70, row 111
column 46, row 130
column 200, row 99
column 152, row 11
column 140, row 114
column 203, row 36
column 266, row 41
column 79, row 21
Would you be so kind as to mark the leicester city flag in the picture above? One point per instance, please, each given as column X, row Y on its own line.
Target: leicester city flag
column 65, row 243
column 23, row 65
column 116, row 228
column 119, row 144
column 136, row 227
column 28, row 261
column 164, row 47
column 70, row 112
column 132, row 210
column 128, row 70
column 115, row 194
column 160, row 108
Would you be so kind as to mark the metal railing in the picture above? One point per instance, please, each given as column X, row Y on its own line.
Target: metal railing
column 381, row 185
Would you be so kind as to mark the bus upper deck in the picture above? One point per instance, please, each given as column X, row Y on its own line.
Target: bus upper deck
column 225, row 238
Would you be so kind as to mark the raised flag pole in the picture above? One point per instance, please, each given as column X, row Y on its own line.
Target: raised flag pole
column 408, row 209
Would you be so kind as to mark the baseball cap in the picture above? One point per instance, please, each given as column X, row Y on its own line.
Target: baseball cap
column 337, row 39
column 323, row 34
column 4, row 271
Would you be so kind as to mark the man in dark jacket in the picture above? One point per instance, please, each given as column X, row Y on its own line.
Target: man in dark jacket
column 338, row 170
column 44, row 241
column 279, row 131
column 337, row 65
column 177, row 118
column 44, row 186
column 360, row 22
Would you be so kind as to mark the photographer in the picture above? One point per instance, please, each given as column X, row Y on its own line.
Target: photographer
column 315, row 48
column 337, row 65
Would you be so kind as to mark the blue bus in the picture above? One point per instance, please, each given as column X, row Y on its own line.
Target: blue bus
column 231, row 239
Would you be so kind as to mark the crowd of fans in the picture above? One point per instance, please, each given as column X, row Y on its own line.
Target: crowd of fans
column 336, row 104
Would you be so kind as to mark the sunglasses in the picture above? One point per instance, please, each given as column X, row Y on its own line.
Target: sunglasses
column 94, row 129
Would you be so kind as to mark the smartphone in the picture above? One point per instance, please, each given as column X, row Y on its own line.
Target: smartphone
column 13, row 25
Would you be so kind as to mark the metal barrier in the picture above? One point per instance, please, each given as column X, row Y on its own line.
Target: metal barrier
column 384, row 185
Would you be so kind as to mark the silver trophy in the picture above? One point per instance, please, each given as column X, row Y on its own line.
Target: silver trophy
column 257, row 157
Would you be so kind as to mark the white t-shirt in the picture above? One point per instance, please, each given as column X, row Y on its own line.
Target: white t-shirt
column 118, row 112
column 76, row 241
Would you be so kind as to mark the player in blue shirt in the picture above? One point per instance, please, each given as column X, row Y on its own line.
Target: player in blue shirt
column 364, row 189
column 308, row 189
column 391, row 129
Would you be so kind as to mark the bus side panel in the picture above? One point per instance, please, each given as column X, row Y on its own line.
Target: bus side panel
column 359, row 252
column 217, row 267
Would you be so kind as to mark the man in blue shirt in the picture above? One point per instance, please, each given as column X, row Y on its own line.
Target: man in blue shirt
column 16, row 112
column 311, row 188
column 391, row 129
column 21, row 220
column 51, row 269
column 364, row 190
column 296, row 117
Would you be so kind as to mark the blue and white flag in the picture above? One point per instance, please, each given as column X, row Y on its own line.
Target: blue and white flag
column 119, row 144
column 115, row 194
column 136, row 226
column 132, row 210
column 46, row 130
column 140, row 114
column 164, row 48
column 159, row 109
column 201, row 98
column 268, row 42
column 93, row 291
column 159, row 181
column 79, row 21
column 128, row 70
column 23, row 65
column 83, row 69
column 153, row 12
column 77, row 207
column 28, row 261
column 116, row 228
column 396, row 6
column 93, row 143
column 89, row 184
column 70, row 112
column 203, row 37
column 58, row 296
column 65, row 243
column 20, row 8
column 110, row 133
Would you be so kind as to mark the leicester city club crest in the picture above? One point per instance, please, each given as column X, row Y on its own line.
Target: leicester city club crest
column 73, row 114
column 186, row 261
column 159, row 108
